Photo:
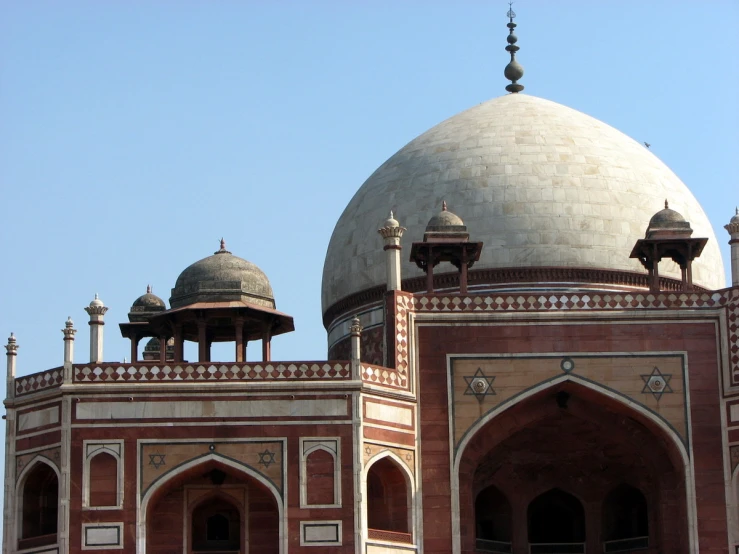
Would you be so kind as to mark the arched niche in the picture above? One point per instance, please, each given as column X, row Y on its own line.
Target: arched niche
column 493, row 519
column 625, row 518
column 165, row 524
column 103, row 480
column 388, row 511
column 38, row 506
column 320, row 471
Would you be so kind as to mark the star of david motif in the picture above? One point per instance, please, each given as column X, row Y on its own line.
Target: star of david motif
column 657, row 383
column 367, row 450
column 157, row 460
column 479, row 385
column 266, row 458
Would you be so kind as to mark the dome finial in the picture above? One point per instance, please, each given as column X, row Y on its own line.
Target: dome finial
column 222, row 249
column 513, row 71
column 667, row 206
column 443, row 206
column 148, row 289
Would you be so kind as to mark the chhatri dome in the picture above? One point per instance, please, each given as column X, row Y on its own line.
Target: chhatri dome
column 222, row 277
column 540, row 184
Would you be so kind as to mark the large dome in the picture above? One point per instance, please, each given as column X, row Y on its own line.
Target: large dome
column 542, row 185
column 222, row 277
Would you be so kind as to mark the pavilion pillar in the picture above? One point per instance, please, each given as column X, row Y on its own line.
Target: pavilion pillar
column 179, row 351
column 267, row 345
column 463, row 273
column 162, row 349
column 202, row 341
column 654, row 287
column 430, row 271
column 134, row 348
column 239, row 331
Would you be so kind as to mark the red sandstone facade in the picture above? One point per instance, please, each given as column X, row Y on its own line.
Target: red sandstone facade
column 485, row 404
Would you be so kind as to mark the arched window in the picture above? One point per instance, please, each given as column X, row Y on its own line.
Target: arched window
column 40, row 507
column 216, row 526
column 103, row 480
column 625, row 519
column 556, row 517
column 387, row 501
column 493, row 518
column 319, row 470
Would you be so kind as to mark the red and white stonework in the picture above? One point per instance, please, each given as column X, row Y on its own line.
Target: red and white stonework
column 553, row 389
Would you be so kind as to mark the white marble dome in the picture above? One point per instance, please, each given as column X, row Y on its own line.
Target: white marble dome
column 539, row 183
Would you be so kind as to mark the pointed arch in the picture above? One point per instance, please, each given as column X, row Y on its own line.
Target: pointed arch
column 409, row 481
column 165, row 480
column 38, row 524
column 675, row 446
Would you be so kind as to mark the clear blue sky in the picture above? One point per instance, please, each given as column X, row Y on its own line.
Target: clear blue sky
column 133, row 134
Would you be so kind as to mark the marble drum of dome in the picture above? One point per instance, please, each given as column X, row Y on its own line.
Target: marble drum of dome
column 542, row 185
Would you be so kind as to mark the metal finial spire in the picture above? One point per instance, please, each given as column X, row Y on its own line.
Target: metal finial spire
column 148, row 289
column 443, row 206
column 513, row 71
column 666, row 204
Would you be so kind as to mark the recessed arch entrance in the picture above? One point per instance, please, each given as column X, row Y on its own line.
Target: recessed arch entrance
column 570, row 444
column 212, row 504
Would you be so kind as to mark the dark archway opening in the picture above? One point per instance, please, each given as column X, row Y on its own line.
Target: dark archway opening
column 555, row 517
column 493, row 518
column 587, row 448
column 216, row 527
column 625, row 520
column 40, row 507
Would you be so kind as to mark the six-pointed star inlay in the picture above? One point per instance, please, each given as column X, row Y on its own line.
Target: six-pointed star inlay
column 657, row 383
column 266, row 458
column 157, row 460
column 479, row 385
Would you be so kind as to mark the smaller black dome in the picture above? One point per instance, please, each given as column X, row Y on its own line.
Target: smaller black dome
column 145, row 306
column 666, row 222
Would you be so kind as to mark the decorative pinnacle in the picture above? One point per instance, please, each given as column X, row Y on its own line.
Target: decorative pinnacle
column 666, row 204
column 391, row 228
column 96, row 307
column 69, row 330
column 443, row 205
column 12, row 346
column 148, row 289
column 513, row 71
column 356, row 327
